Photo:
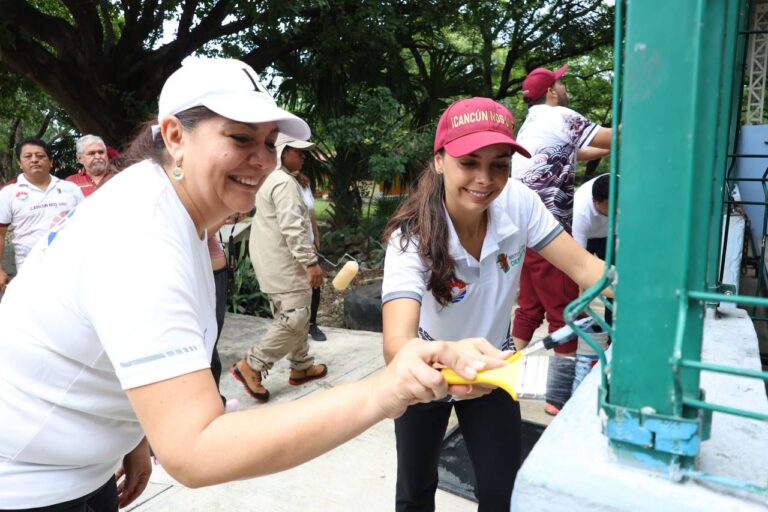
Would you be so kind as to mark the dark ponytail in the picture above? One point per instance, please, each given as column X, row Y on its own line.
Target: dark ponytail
column 421, row 219
column 148, row 145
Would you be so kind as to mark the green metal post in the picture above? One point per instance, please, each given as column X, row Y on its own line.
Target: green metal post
column 669, row 132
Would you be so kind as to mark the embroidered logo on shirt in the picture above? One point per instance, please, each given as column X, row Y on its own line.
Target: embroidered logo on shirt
column 517, row 257
column 501, row 261
column 22, row 196
column 458, row 290
column 507, row 261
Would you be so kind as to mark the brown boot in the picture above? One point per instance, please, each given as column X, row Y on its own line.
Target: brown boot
column 250, row 379
column 299, row 377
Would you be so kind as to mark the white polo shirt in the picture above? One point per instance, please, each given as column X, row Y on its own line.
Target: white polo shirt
column 93, row 314
column 483, row 291
column 587, row 221
column 31, row 212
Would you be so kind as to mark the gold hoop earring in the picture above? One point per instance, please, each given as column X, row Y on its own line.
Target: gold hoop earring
column 178, row 172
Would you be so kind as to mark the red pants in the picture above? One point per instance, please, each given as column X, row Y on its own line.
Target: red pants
column 543, row 289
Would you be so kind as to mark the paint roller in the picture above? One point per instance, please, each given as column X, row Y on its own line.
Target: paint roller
column 347, row 272
column 345, row 275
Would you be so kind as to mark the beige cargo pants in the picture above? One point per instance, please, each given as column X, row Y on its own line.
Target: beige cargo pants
column 286, row 335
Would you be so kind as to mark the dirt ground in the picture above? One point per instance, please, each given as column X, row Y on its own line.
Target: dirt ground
column 331, row 310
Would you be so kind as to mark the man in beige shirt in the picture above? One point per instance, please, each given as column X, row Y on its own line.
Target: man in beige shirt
column 287, row 269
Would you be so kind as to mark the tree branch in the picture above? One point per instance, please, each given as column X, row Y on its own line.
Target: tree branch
column 21, row 18
column 44, row 124
column 187, row 15
column 89, row 26
column 106, row 17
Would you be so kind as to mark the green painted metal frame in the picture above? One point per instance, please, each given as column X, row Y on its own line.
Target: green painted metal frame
column 734, row 156
column 656, row 415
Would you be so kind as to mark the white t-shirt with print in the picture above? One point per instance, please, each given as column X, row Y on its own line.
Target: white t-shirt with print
column 31, row 211
column 120, row 296
column 587, row 221
column 483, row 291
column 552, row 135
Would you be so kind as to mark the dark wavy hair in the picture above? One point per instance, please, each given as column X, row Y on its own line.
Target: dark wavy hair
column 421, row 220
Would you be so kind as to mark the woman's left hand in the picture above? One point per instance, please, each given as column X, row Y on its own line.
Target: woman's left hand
column 136, row 469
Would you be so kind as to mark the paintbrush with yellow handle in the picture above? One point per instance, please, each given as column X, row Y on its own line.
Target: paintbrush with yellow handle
column 508, row 376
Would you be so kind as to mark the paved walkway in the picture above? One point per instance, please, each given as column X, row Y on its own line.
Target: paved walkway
column 359, row 475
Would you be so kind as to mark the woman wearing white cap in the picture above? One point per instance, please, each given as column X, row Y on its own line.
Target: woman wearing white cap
column 107, row 338
column 451, row 271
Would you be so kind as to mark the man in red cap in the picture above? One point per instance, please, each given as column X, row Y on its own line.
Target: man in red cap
column 556, row 136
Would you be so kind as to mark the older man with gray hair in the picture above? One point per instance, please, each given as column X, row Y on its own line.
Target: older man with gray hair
column 92, row 155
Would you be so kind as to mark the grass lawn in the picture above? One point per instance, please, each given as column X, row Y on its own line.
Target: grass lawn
column 321, row 208
column 322, row 212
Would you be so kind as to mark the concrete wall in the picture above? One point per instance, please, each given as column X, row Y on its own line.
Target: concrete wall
column 573, row 468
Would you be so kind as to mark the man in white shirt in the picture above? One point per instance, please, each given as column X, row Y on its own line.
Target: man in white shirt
column 556, row 136
column 590, row 219
column 32, row 203
column 590, row 215
column 590, row 230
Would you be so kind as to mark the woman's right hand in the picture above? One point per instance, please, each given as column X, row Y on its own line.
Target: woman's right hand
column 413, row 375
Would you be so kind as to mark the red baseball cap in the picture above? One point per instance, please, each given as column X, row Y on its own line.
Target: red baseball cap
column 539, row 80
column 473, row 123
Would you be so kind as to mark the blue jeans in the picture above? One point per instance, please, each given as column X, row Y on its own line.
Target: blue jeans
column 584, row 364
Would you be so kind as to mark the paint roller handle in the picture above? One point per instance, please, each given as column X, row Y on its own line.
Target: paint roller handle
column 566, row 333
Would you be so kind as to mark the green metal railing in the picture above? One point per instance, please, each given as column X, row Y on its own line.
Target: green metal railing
column 676, row 118
column 733, row 103
column 583, row 302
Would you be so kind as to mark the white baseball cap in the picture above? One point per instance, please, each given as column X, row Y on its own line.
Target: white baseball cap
column 229, row 87
column 283, row 140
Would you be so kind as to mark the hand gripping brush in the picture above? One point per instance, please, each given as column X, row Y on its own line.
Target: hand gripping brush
column 508, row 376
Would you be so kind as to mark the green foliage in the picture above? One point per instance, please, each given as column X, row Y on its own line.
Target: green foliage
column 245, row 296
column 26, row 111
column 371, row 78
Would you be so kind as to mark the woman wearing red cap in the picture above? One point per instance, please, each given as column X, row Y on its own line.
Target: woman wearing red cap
column 451, row 272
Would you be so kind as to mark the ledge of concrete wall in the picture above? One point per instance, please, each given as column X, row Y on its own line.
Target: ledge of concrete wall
column 573, row 468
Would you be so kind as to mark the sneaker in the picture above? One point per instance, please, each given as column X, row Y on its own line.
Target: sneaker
column 316, row 333
column 299, row 377
column 250, row 379
column 232, row 405
column 551, row 409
